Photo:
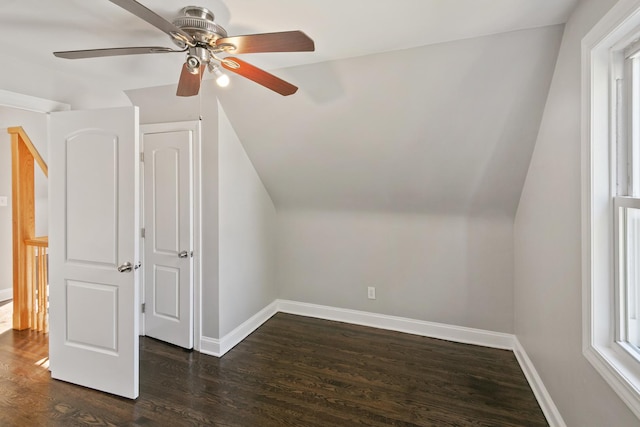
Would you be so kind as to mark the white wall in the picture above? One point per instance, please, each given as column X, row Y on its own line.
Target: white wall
column 35, row 125
column 548, row 297
column 450, row 269
column 247, row 221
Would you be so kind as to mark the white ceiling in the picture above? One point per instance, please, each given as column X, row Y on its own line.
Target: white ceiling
column 30, row 30
column 428, row 106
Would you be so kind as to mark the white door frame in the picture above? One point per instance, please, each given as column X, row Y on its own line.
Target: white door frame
column 196, row 126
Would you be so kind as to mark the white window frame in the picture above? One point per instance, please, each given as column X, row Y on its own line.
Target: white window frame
column 602, row 61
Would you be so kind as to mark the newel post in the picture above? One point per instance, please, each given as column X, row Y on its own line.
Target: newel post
column 23, row 211
column 23, row 157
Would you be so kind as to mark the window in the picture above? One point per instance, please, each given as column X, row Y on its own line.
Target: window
column 627, row 239
column 611, row 199
column 625, row 143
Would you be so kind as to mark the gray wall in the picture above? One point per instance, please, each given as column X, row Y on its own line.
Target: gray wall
column 35, row 125
column 441, row 268
column 246, row 236
column 440, row 129
column 548, row 288
column 402, row 171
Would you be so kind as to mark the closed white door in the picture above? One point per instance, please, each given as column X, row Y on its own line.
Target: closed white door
column 93, row 238
column 168, row 242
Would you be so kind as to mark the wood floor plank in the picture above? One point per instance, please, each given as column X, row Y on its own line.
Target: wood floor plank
column 292, row 371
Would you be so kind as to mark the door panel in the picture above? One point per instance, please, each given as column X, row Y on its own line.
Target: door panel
column 98, row 302
column 168, row 215
column 164, row 192
column 94, row 223
column 92, row 198
column 166, row 292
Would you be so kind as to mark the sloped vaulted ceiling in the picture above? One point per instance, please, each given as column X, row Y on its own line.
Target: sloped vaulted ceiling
column 446, row 128
column 406, row 105
column 30, row 30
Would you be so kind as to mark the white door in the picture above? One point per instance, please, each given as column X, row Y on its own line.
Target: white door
column 168, row 241
column 93, row 237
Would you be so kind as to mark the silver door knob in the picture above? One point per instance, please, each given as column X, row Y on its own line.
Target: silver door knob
column 183, row 254
column 126, row 267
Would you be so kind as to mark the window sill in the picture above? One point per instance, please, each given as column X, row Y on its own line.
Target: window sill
column 612, row 366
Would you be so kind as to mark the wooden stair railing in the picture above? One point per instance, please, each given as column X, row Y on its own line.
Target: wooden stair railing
column 23, row 157
column 38, row 280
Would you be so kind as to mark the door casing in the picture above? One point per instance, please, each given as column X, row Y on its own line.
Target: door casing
column 194, row 126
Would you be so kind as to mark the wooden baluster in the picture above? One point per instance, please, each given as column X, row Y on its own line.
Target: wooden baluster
column 29, row 297
column 39, row 285
column 33, row 285
column 36, row 289
column 45, row 289
column 38, row 281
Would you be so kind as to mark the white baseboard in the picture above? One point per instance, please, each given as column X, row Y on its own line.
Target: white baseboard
column 401, row 324
column 218, row 347
column 6, row 294
column 539, row 390
column 210, row 346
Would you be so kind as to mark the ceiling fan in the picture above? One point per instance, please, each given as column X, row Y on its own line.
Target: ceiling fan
column 204, row 41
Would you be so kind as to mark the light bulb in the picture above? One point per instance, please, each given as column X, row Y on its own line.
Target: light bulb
column 222, row 80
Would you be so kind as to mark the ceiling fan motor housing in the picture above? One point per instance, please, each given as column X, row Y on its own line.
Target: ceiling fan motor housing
column 199, row 22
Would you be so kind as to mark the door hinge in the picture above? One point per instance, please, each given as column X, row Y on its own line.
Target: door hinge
column 142, row 232
column 142, row 157
column 143, row 306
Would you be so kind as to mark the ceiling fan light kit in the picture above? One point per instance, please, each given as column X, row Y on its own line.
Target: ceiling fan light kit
column 221, row 78
column 207, row 45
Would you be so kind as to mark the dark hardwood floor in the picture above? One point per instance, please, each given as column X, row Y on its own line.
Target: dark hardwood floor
column 293, row 371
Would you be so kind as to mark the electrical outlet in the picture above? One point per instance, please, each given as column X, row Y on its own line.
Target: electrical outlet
column 371, row 292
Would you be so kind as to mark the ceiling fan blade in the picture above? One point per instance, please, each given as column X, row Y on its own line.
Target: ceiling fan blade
column 286, row 41
column 96, row 53
column 153, row 18
column 189, row 84
column 260, row 76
